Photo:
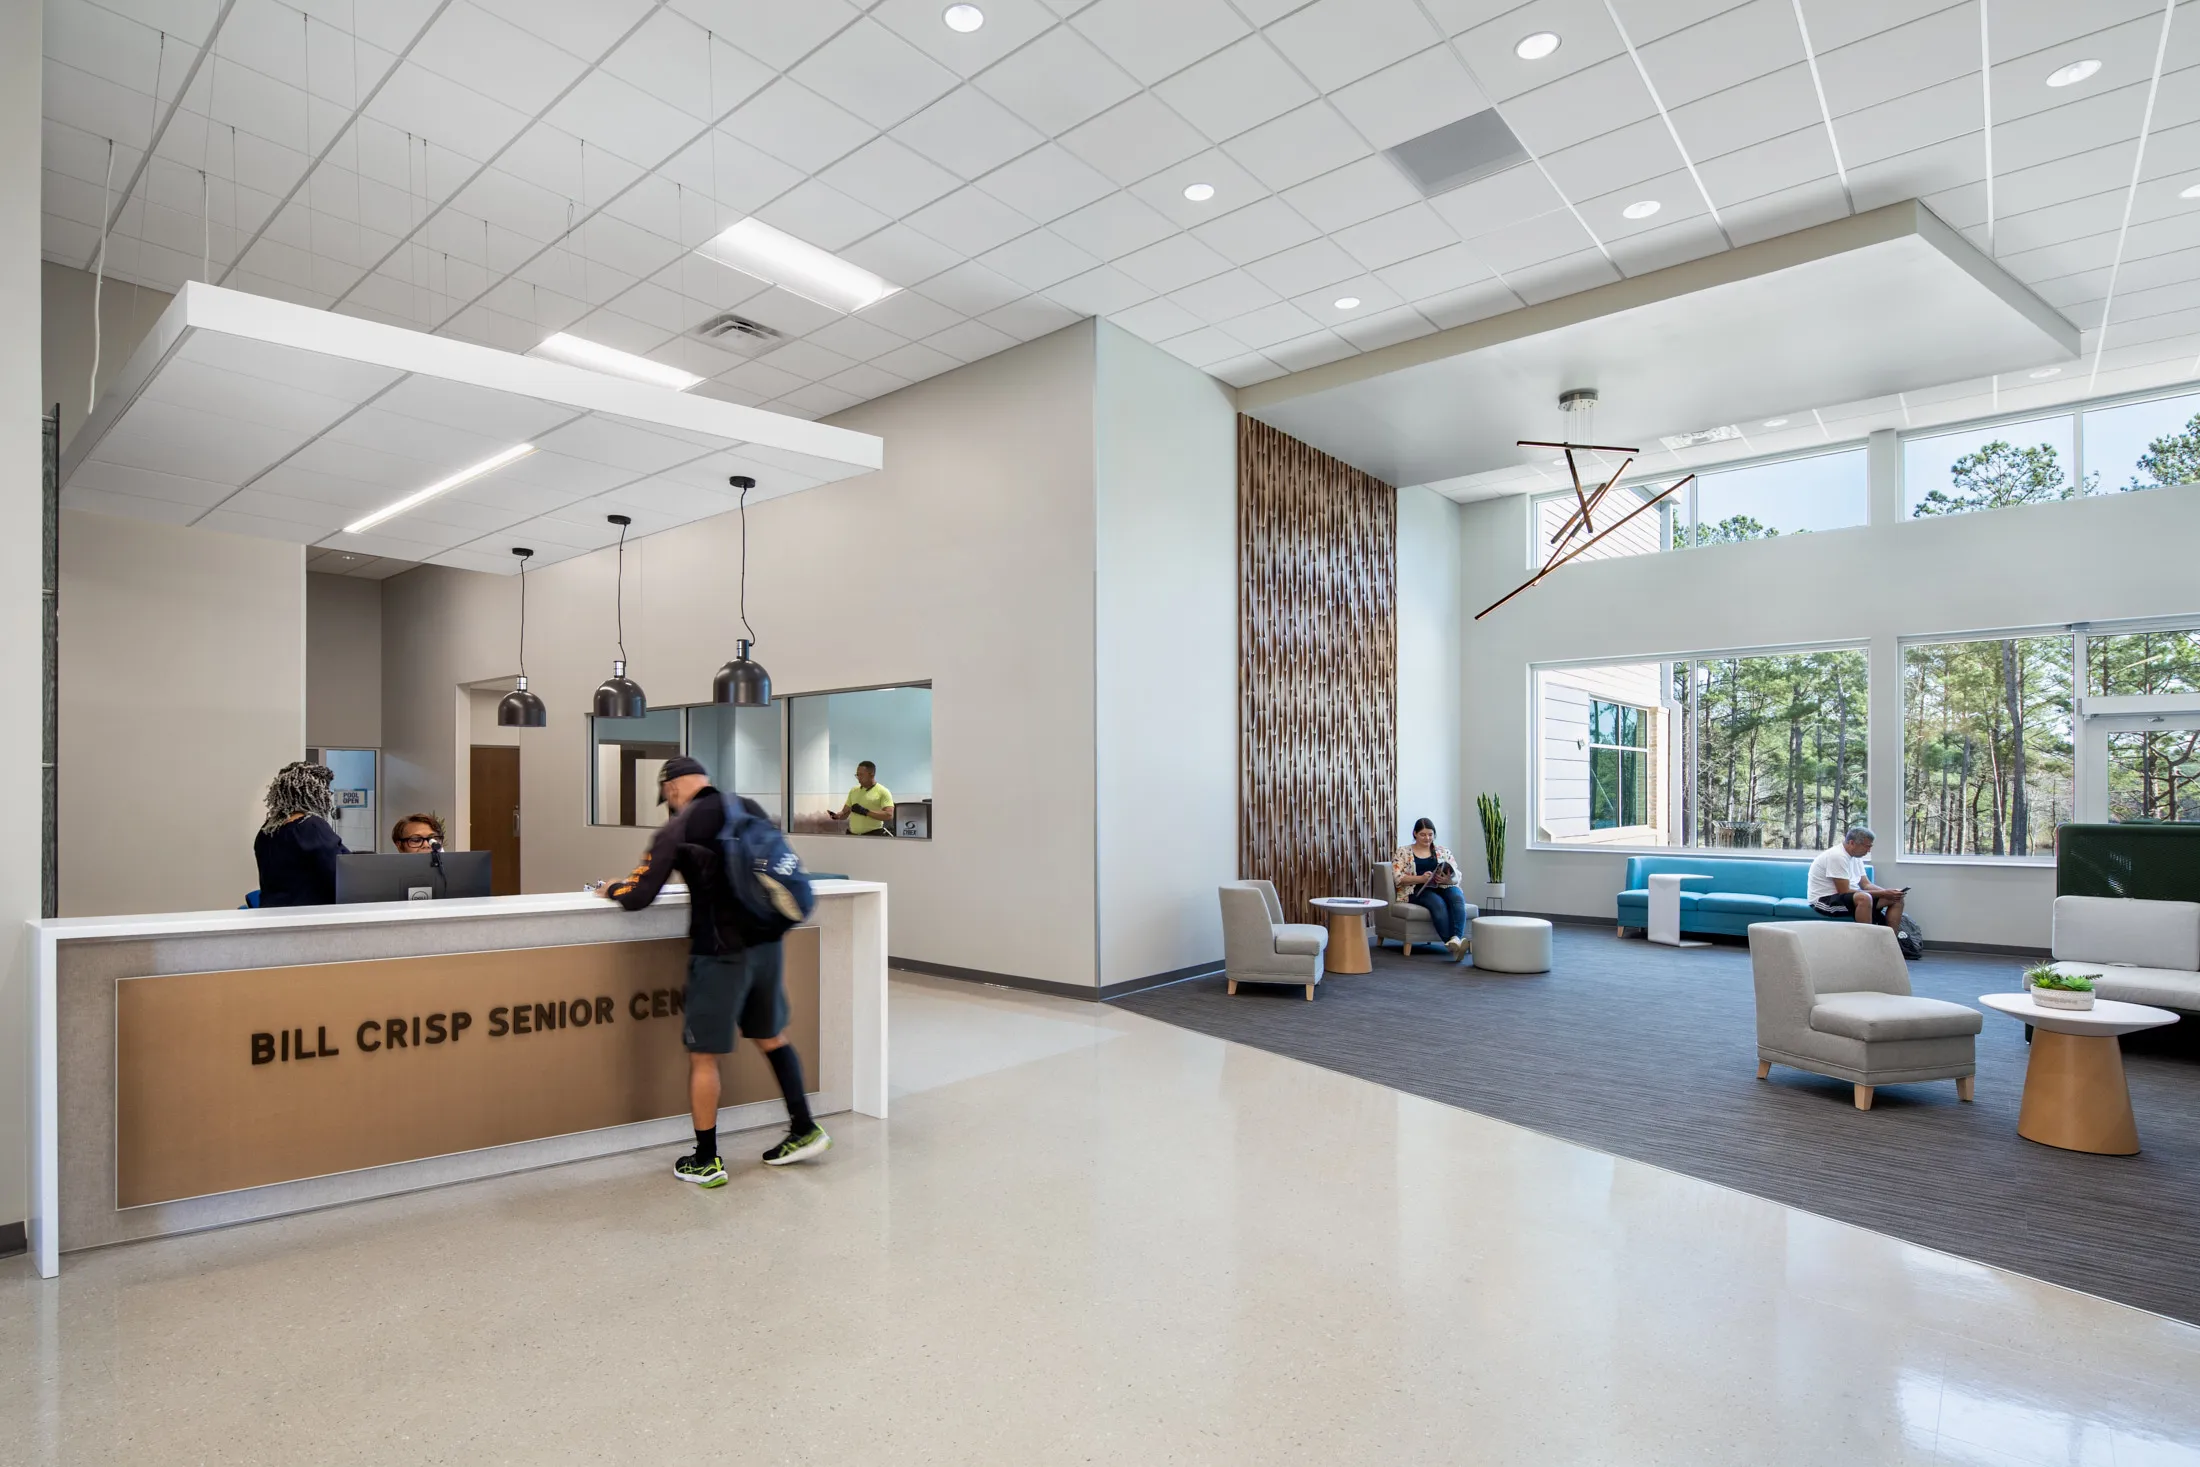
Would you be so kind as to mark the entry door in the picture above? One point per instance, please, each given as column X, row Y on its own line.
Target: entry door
column 2139, row 765
column 493, row 813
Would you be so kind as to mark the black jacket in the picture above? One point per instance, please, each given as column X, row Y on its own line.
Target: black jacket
column 688, row 843
column 298, row 863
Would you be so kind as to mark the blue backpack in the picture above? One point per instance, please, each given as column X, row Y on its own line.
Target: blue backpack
column 771, row 892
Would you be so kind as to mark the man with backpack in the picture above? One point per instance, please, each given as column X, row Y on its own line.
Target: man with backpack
column 745, row 889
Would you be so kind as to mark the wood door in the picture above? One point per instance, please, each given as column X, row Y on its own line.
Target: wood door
column 493, row 814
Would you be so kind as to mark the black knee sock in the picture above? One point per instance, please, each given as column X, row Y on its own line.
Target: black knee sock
column 706, row 1144
column 787, row 1065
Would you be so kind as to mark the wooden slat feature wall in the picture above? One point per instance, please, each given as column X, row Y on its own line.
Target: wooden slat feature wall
column 1318, row 669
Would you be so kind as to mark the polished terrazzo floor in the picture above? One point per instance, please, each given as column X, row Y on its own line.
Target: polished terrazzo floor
column 1086, row 1237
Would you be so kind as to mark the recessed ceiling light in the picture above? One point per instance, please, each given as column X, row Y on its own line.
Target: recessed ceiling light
column 1537, row 46
column 441, row 486
column 1199, row 193
column 1642, row 208
column 578, row 351
column 1776, row 422
column 1348, row 303
column 755, row 248
column 964, row 18
column 2045, row 372
column 2192, row 192
column 2071, row 75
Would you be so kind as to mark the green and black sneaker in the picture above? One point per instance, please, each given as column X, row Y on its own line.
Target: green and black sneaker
column 813, row 1142
column 690, row 1168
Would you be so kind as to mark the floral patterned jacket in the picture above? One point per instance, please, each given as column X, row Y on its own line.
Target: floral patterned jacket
column 1401, row 866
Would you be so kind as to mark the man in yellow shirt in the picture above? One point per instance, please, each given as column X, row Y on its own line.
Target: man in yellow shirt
column 869, row 809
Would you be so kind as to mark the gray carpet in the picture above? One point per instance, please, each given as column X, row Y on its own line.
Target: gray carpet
column 1650, row 1053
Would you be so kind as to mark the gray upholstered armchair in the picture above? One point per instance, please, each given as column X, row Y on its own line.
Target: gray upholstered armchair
column 1403, row 922
column 1834, row 998
column 1258, row 946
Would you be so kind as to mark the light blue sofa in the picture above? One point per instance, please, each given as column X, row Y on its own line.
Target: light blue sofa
column 1731, row 894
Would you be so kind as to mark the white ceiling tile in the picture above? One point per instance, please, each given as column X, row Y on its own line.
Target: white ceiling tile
column 1233, row 187
column 1224, row 297
column 824, row 216
column 1434, row 273
column 1030, row 318
column 875, row 74
column 1271, row 325
column 1582, row 105
column 856, row 338
column 1786, row 211
column 1315, row 350
column 1247, row 370
column 1399, row 235
column 970, row 220
column 1099, row 292
column 797, row 126
column 1256, row 231
column 621, row 118
column 1152, row 39
column 1307, row 267
column 1906, row 124
column 1546, row 237
column 1385, row 328
column 1767, row 167
column 1008, row 25
column 1586, row 37
column 1046, row 183
column 453, row 117
column 817, row 400
column 1297, row 146
column 1615, row 160
column 1669, row 244
column 970, row 341
column 106, row 478
column 915, row 362
column 586, row 28
column 1205, row 346
column 968, row 132
column 677, row 62
column 1373, row 295
column 762, row 379
column 1651, row 20
column 782, row 310
column 1352, row 193
column 1336, row 42
column 902, row 255
column 1133, row 140
column 1675, row 194
column 889, row 177
column 1417, row 95
column 1114, row 226
column 1896, row 62
column 1235, row 89
column 474, row 48
column 1172, row 264
column 1038, row 259
column 1057, row 82
column 866, row 381
column 971, row 289
column 1565, row 276
column 809, row 361
column 1157, row 320
column 261, row 527
column 1263, row 12
column 1476, row 302
column 1723, row 51
column 2079, row 126
column 1764, row 107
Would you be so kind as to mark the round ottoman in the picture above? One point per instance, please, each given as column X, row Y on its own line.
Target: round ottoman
column 1512, row 944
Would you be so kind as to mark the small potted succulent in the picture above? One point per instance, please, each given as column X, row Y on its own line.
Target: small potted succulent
column 2053, row 990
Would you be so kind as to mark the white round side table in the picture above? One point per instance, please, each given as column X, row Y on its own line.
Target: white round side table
column 2075, row 1096
column 1347, row 918
column 1512, row 944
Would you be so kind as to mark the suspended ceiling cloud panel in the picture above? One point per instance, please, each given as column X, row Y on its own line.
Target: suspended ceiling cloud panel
column 1879, row 303
column 258, row 417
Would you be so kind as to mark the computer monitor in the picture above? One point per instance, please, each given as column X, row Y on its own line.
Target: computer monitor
column 412, row 877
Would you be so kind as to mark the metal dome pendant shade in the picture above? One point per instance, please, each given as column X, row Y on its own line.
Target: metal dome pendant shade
column 619, row 696
column 743, row 682
column 520, row 708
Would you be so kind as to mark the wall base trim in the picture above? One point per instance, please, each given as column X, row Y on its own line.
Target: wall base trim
column 1079, row 991
column 14, row 1238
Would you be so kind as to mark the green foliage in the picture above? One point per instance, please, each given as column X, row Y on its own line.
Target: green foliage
column 1775, row 746
column 2171, row 460
column 2044, row 977
column 2153, row 774
column 1493, row 835
column 1734, row 529
column 1998, row 475
column 1987, row 751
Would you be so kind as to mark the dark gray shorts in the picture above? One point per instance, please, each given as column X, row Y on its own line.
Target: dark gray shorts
column 1835, row 904
column 731, row 989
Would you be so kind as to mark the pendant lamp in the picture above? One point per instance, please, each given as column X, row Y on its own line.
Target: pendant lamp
column 743, row 681
column 520, row 708
column 619, row 696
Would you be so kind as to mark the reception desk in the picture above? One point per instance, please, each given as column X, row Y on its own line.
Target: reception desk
column 193, row 1070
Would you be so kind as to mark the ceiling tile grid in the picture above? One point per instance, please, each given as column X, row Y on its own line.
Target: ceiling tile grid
column 499, row 170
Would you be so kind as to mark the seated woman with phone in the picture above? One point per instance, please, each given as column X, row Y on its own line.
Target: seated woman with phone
column 1427, row 876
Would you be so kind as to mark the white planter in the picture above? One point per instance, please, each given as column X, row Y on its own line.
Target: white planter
column 1497, row 890
column 2061, row 998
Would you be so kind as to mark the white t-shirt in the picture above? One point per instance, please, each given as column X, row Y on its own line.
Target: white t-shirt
column 1827, row 865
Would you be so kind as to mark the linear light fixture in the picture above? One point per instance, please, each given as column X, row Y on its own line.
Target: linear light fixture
column 755, row 248
column 441, row 486
column 578, row 351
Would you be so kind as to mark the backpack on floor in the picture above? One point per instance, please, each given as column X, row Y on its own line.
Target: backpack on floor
column 1911, row 938
column 771, row 892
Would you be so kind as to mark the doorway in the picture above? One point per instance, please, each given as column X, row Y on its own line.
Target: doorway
column 492, row 813
column 2139, row 758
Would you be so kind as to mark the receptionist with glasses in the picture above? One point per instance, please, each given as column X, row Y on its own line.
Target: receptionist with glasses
column 416, row 835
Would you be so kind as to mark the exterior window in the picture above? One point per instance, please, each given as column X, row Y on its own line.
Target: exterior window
column 1792, row 496
column 1990, row 468
column 1645, row 534
column 1619, row 765
column 1986, row 738
column 2153, row 774
column 2143, row 445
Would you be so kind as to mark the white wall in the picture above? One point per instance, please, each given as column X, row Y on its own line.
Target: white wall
column 2115, row 556
column 182, row 692
column 22, row 642
column 343, row 662
column 1165, row 521
column 986, row 503
column 1429, row 652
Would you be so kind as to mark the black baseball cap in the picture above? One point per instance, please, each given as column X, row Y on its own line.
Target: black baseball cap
column 680, row 764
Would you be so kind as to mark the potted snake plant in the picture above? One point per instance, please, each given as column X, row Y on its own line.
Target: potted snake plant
column 2053, row 990
column 1493, row 842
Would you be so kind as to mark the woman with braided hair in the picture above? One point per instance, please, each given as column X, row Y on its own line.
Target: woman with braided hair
column 297, row 847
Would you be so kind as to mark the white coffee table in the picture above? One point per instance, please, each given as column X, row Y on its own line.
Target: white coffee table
column 1347, row 917
column 1665, row 909
column 2074, row 1091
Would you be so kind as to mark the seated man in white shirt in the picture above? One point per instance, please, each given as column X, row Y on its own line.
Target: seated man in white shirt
column 1839, row 888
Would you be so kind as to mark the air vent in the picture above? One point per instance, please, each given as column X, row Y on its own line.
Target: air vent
column 739, row 334
column 1702, row 436
column 1458, row 153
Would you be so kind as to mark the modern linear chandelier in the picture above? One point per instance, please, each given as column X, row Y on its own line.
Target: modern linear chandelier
column 1580, row 531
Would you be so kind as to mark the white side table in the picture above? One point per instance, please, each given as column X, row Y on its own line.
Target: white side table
column 1665, row 909
column 2074, row 1091
column 1347, row 917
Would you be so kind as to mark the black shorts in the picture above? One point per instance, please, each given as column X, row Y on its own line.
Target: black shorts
column 734, row 988
column 1837, row 904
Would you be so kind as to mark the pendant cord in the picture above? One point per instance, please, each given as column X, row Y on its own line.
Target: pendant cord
column 620, row 594
column 523, row 617
column 745, row 565
column 99, row 281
